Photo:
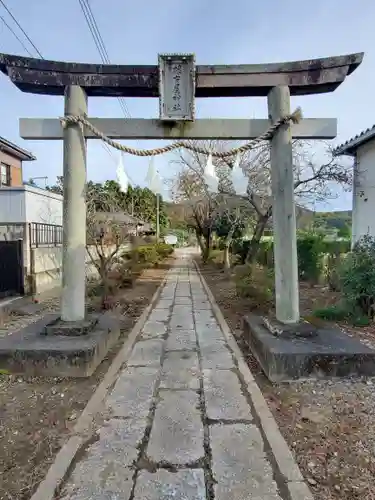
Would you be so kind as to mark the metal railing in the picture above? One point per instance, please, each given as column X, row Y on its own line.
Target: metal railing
column 45, row 234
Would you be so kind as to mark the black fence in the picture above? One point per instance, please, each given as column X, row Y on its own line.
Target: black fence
column 45, row 235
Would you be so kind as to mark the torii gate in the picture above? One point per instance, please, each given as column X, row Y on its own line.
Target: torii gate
column 177, row 81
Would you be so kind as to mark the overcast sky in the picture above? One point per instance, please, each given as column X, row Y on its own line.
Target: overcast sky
column 218, row 32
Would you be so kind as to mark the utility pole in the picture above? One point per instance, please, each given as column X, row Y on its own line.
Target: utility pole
column 157, row 217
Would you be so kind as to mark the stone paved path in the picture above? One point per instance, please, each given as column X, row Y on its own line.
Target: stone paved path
column 179, row 422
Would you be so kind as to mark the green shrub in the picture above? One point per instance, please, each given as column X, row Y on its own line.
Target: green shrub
column 241, row 248
column 357, row 278
column 221, row 245
column 254, row 282
column 265, row 255
column 361, row 320
column 216, row 257
column 310, row 257
column 332, row 263
column 164, row 250
column 339, row 312
column 332, row 313
column 149, row 255
column 145, row 254
column 311, row 249
column 336, row 247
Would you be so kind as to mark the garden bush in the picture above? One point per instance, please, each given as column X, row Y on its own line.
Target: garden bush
column 331, row 313
column 356, row 281
column 357, row 278
column 340, row 312
column 164, row 250
column 332, row 263
column 336, row 247
column 254, row 282
column 241, row 248
column 310, row 251
column 146, row 254
column 149, row 255
column 216, row 257
column 265, row 254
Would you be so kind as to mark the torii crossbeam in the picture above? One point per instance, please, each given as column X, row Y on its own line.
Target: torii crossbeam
column 276, row 81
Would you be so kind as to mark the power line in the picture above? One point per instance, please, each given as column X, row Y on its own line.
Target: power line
column 99, row 42
column 16, row 36
column 20, row 27
column 37, row 50
column 100, row 45
column 94, row 29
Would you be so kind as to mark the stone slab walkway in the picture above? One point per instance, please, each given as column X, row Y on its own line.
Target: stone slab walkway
column 180, row 423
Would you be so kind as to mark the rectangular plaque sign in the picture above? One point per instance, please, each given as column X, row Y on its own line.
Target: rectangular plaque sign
column 176, row 87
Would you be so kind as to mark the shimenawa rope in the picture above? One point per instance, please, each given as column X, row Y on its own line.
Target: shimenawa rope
column 294, row 117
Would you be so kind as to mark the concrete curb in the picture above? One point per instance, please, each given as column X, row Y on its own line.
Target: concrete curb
column 84, row 427
column 287, row 466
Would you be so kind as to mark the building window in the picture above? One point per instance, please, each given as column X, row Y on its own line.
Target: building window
column 4, row 174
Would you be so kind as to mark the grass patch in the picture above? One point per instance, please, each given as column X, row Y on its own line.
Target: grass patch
column 339, row 313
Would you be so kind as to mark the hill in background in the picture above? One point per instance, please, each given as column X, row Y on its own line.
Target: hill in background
column 179, row 213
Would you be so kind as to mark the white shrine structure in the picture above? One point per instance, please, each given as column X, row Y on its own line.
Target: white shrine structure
column 362, row 149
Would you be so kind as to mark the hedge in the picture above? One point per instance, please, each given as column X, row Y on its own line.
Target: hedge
column 149, row 254
column 310, row 250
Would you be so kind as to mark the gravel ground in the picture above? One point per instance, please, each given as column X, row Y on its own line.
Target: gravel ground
column 13, row 322
column 329, row 424
column 37, row 414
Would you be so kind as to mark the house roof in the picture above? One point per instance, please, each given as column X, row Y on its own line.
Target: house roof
column 120, row 217
column 350, row 146
column 16, row 151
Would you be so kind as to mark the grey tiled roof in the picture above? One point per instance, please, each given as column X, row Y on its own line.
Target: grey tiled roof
column 349, row 147
column 17, row 151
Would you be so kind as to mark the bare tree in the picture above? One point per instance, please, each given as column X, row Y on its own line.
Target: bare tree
column 315, row 180
column 107, row 232
column 231, row 217
column 189, row 186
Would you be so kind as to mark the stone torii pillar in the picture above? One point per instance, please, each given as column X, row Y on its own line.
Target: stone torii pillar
column 74, row 210
column 277, row 81
column 283, row 210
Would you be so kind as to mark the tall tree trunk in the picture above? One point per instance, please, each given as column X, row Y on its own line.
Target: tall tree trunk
column 227, row 244
column 257, row 236
column 105, row 284
column 207, row 246
column 200, row 241
column 226, row 258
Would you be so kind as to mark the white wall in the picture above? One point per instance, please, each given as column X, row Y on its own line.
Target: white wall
column 43, row 206
column 30, row 204
column 363, row 222
column 46, row 265
column 12, row 205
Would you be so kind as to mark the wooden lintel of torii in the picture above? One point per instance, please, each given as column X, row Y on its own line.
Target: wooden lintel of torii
column 139, row 128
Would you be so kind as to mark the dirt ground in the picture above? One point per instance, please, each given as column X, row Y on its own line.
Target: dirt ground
column 327, row 423
column 37, row 414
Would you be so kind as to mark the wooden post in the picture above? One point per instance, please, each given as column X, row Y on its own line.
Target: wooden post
column 283, row 213
column 74, row 210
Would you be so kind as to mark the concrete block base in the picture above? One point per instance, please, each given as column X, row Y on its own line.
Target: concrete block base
column 31, row 352
column 328, row 353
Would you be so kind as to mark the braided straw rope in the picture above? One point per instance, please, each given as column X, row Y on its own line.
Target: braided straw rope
column 295, row 117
